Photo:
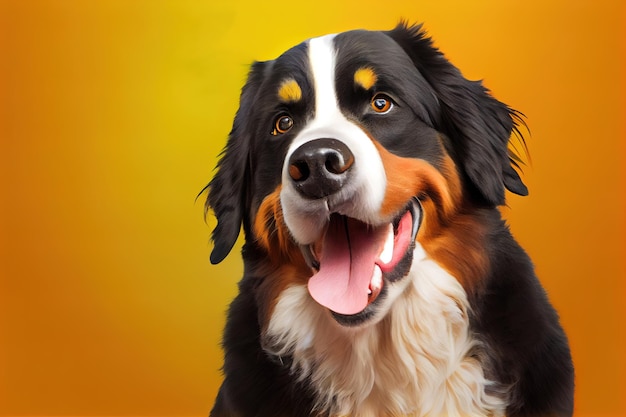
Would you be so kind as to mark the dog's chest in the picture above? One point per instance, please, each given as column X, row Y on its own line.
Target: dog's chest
column 419, row 360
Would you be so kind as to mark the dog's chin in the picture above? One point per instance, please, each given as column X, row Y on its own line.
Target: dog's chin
column 391, row 266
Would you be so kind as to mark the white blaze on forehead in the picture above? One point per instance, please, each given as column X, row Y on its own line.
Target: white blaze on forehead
column 362, row 196
column 322, row 60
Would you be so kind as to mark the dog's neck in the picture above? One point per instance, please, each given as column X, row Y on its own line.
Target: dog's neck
column 418, row 360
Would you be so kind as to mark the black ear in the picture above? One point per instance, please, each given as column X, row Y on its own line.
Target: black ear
column 228, row 188
column 477, row 125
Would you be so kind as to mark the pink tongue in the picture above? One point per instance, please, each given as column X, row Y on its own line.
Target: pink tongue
column 347, row 264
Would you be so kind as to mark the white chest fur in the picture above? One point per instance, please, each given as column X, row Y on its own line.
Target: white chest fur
column 416, row 361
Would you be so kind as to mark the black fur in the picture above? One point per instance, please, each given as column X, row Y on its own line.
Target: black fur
column 526, row 348
column 477, row 125
column 521, row 331
column 229, row 190
column 255, row 384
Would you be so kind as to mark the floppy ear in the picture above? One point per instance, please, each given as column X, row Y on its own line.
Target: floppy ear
column 477, row 125
column 228, row 189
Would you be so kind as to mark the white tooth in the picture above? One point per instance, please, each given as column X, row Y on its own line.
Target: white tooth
column 387, row 254
column 369, row 291
column 377, row 279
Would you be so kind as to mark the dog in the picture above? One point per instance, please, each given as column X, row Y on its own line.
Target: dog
column 379, row 276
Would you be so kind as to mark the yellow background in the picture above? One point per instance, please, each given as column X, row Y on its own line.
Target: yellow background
column 112, row 113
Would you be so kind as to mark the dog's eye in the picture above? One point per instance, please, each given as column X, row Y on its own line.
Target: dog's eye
column 282, row 124
column 381, row 103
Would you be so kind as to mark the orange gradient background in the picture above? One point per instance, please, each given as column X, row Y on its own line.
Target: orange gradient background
column 112, row 114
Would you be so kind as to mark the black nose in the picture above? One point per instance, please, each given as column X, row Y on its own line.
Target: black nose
column 320, row 167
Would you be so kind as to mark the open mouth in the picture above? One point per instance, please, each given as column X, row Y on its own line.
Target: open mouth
column 353, row 260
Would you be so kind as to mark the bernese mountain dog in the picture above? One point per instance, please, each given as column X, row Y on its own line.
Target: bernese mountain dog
column 379, row 277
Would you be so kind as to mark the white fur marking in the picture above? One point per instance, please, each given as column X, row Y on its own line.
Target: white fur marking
column 413, row 362
column 363, row 196
column 322, row 61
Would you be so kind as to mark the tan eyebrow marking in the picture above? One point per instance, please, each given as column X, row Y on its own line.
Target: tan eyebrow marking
column 289, row 91
column 365, row 77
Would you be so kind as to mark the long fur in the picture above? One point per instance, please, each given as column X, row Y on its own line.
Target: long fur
column 420, row 360
column 462, row 325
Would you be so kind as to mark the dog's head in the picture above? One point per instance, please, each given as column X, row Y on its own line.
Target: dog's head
column 346, row 152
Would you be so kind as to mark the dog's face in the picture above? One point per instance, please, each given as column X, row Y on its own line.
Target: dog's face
column 347, row 152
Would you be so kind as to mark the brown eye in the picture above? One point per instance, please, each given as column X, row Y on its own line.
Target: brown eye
column 282, row 125
column 381, row 103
